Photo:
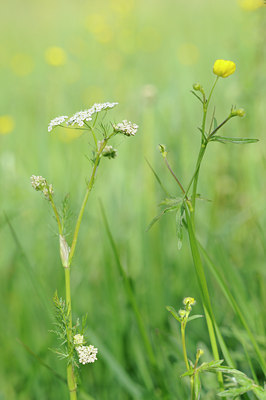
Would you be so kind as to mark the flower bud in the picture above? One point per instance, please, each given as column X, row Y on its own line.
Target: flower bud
column 189, row 301
column 64, row 251
column 224, row 68
column 238, row 113
column 163, row 150
column 182, row 313
column 197, row 86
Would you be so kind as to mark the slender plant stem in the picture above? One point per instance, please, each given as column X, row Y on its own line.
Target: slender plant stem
column 89, row 188
column 183, row 336
column 210, row 320
column 71, row 378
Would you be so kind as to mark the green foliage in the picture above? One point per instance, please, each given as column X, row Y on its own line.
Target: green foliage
column 145, row 47
column 225, row 140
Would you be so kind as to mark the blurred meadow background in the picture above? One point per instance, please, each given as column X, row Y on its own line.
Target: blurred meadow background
column 57, row 58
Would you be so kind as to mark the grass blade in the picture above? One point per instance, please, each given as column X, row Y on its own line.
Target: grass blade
column 223, row 285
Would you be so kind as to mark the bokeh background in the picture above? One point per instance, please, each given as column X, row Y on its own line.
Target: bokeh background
column 60, row 57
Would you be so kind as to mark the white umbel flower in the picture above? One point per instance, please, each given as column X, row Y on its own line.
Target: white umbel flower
column 81, row 117
column 87, row 354
column 57, row 121
column 126, row 128
column 78, row 340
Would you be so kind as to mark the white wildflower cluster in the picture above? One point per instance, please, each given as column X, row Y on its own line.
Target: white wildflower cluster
column 86, row 354
column 57, row 121
column 81, row 117
column 78, row 340
column 126, row 128
column 40, row 184
column 108, row 151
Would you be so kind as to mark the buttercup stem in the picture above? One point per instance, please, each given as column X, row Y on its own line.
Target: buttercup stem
column 183, row 328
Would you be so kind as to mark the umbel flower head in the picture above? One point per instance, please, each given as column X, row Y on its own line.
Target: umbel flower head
column 81, row 117
column 40, row 184
column 126, row 128
column 224, row 68
column 87, row 354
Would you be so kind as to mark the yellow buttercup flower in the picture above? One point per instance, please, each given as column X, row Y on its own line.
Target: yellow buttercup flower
column 55, row 56
column 224, row 68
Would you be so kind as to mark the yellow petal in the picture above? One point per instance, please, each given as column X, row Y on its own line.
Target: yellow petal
column 224, row 68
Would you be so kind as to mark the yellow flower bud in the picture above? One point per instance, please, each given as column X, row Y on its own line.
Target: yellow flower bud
column 224, row 68
column 238, row 113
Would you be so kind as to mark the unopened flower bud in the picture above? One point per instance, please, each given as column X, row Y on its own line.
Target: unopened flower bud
column 162, row 149
column 197, row 86
column 182, row 313
column 64, row 251
column 238, row 113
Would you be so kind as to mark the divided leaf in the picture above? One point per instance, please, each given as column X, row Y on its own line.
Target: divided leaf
column 172, row 205
column 225, row 140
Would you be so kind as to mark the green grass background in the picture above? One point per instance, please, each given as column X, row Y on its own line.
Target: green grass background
column 114, row 49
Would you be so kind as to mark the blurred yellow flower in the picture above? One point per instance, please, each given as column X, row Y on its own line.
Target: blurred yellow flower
column 98, row 25
column 6, row 124
column 22, row 64
column 122, row 7
column 55, row 56
column 224, row 68
column 250, row 5
column 188, row 54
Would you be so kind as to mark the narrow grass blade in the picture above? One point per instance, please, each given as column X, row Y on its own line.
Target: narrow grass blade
column 121, row 375
column 130, row 293
column 158, row 179
column 223, row 285
column 40, row 361
column 36, row 283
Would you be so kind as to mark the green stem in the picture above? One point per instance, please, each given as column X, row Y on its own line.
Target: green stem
column 204, row 291
column 71, row 379
column 89, row 188
column 183, row 329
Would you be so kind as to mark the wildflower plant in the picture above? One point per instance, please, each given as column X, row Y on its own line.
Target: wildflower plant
column 185, row 207
column 73, row 344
